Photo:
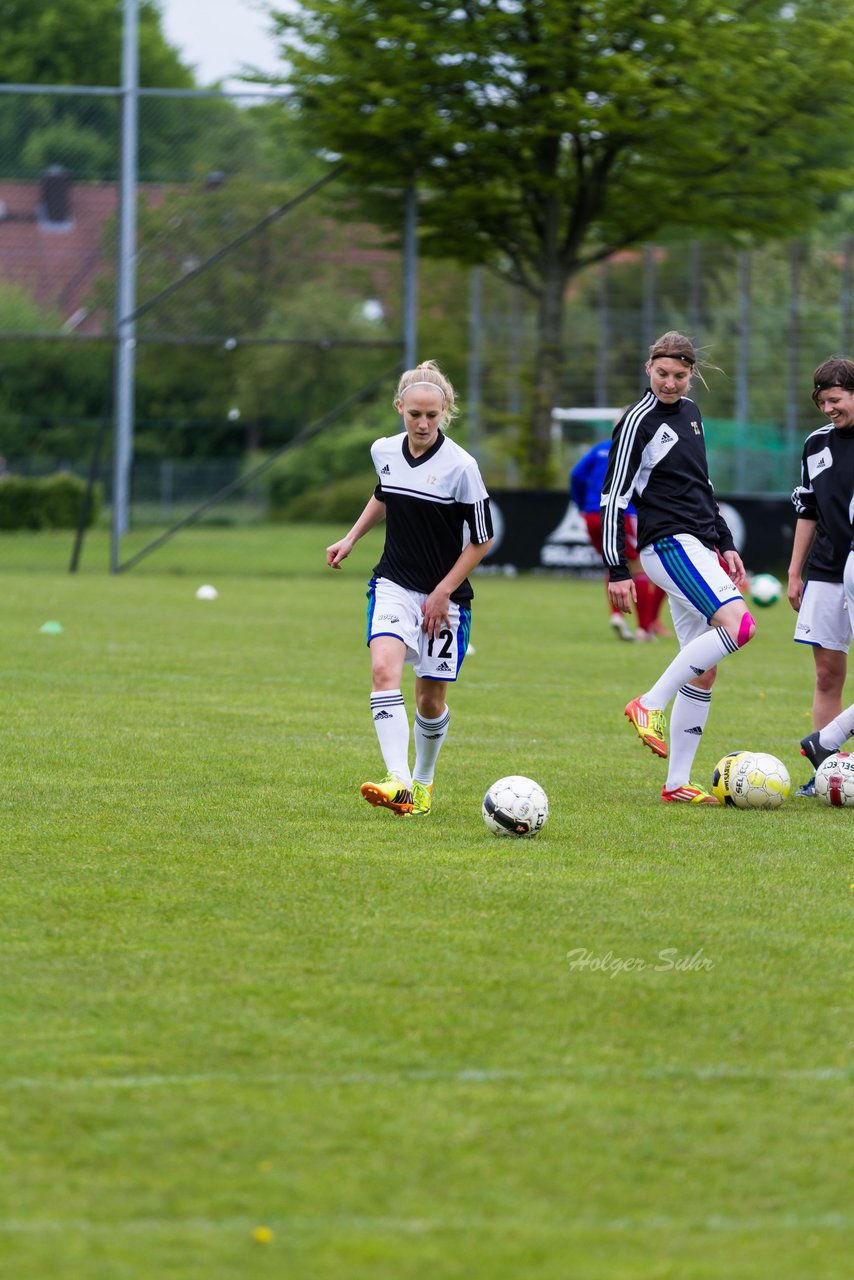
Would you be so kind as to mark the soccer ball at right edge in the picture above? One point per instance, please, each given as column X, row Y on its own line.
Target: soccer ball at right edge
column 515, row 806
column 834, row 780
column 758, row 780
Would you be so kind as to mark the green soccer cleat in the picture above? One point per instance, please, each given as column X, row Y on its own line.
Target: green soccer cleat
column 390, row 793
column 422, row 799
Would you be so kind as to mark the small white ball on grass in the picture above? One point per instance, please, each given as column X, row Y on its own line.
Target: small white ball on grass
column 207, row 592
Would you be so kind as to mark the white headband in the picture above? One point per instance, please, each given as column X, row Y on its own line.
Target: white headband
column 410, row 385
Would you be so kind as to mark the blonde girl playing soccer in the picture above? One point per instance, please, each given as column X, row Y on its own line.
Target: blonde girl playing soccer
column 438, row 529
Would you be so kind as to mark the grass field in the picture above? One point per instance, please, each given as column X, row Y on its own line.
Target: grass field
column 235, row 997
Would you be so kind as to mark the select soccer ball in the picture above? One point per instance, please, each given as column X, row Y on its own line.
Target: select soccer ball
column 765, row 589
column 834, row 780
column 515, row 806
column 721, row 775
column 758, row 780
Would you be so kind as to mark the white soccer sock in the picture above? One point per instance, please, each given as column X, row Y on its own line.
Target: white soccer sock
column 687, row 722
column 693, row 660
column 392, row 726
column 429, row 736
column 834, row 735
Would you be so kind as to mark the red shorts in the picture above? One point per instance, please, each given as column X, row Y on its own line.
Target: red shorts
column 593, row 520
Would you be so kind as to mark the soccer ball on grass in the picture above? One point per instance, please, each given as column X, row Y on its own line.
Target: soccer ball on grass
column 834, row 780
column 721, row 775
column 758, row 780
column 515, row 806
column 765, row 589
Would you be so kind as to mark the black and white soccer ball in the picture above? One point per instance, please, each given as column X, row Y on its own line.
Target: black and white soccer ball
column 515, row 806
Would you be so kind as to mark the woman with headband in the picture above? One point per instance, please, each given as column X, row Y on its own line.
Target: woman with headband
column 823, row 502
column 429, row 491
column 658, row 461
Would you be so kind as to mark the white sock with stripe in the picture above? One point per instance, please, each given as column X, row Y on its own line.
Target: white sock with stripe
column 429, row 736
column 835, row 734
column 697, row 656
column 687, row 722
column 392, row 725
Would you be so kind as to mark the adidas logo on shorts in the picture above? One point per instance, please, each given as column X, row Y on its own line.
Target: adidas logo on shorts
column 443, row 666
column 386, row 471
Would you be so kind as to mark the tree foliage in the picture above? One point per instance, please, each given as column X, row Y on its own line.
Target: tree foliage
column 79, row 42
column 68, row 42
column 545, row 134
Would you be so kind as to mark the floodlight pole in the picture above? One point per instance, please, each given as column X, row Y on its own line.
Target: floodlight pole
column 125, row 327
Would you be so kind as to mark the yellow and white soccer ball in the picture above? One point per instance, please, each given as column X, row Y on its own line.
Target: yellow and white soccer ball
column 758, row 780
column 721, row 774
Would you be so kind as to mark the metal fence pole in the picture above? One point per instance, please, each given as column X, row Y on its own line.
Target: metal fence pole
column 649, row 302
column 696, row 290
column 794, row 345
column 410, row 277
column 475, row 349
column 126, row 291
column 742, row 369
column 845, row 298
column 603, row 346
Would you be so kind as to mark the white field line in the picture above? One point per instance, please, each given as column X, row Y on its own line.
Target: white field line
column 712, row 1224
column 463, row 1076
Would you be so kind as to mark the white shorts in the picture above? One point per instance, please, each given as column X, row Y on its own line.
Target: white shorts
column 394, row 611
column 696, row 583
column 823, row 618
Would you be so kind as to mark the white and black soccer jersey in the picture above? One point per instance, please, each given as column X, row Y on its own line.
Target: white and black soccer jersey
column 658, row 461
column 825, row 495
column 429, row 500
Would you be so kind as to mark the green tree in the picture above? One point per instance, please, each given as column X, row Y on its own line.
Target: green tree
column 80, row 42
column 544, row 135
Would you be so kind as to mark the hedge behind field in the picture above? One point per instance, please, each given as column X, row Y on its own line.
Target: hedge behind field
column 44, row 502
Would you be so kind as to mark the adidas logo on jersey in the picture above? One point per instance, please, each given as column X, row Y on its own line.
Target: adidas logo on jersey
column 386, row 471
column 443, row 666
column 665, row 437
column 383, row 715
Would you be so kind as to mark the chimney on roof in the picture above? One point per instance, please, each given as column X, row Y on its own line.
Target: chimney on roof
column 55, row 206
